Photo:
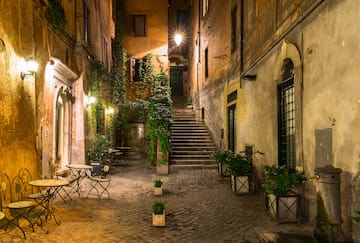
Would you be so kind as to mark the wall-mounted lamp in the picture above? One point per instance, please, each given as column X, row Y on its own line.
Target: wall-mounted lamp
column 89, row 100
column 109, row 111
column 27, row 67
column 249, row 77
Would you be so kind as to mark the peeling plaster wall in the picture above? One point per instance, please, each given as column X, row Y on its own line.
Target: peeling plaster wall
column 17, row 97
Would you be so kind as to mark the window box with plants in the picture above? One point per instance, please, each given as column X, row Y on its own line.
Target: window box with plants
column 240, row 169
column 280, row 185
column 158, row 189
column 158, row 214
column 222, row 157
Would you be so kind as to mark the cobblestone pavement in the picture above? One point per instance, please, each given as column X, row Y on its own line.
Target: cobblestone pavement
column 200, row 207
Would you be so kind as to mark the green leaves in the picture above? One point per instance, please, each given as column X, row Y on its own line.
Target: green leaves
column 279, row 180
column 236, row 163
column 57, row 15
column 356, row 218
column 158, row 208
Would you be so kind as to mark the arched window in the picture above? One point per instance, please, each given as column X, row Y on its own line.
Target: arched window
column 286, row 116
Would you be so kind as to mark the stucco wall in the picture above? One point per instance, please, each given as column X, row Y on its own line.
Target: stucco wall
column 17, row 98
column 327, row 42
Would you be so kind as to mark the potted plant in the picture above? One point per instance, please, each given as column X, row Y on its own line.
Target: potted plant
column 240, row 169
column 158, row 190
column 158, row 214
column 282, row 201
column 221, row 157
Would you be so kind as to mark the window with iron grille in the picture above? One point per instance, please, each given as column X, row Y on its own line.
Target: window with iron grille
column 286, row 117
column 231, row 127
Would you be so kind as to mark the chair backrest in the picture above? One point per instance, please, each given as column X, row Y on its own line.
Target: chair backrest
column 25, row 177
column 17, row 190
column 5, row 190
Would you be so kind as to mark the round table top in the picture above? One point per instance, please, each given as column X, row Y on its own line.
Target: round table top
column 48, row 183
column 79, row 166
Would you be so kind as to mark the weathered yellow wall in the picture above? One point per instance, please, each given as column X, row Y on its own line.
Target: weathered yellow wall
column 157, row 31
column 17, row 97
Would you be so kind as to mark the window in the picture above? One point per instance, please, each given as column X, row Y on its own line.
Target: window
column 86, row 14
column 105, row 53
column 135, row 69
column 206, row 63
column 286, row 116
column 231, row 127
column 233, row 28
column 138, row 25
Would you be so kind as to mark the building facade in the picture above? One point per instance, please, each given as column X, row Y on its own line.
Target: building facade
column 280, row 76
column 49, row 125
column 146, row 34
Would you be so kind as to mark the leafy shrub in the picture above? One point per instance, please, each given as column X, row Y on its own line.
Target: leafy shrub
column 158, row 208
column 279, row 180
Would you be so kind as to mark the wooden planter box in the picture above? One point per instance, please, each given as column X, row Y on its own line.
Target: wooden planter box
column 223, row 171
column 158, row 219
column 240, row 184
column 283, row 208
column 162, row 169
column 158, row 191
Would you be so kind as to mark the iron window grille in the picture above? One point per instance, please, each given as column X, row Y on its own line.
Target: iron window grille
column 286, row 120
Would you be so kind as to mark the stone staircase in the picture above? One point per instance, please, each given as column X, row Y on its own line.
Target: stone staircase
column 191, row 144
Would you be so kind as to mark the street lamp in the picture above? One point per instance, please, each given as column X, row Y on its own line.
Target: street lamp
column 178, row 39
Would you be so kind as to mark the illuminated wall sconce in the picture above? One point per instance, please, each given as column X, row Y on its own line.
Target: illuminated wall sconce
column 27, row 67
column 109, row 111
column 89, row 100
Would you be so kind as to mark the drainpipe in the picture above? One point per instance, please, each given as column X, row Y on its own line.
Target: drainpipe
column 199, row 57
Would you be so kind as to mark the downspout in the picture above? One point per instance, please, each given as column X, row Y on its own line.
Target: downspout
column 199, row 57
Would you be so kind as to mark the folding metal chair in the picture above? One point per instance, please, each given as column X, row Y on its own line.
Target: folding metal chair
column 99, row 183
column 17, row 208
column 65, row 192
column 27, row 190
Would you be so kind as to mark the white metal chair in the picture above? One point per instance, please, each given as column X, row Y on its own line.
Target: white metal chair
column 99, row 182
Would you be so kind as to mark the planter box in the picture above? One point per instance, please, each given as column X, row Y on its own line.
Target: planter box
column 283, row 208
column 158, row 191
column 158, row 219
column 240, row 184
column 223, row 171
column 162, row 169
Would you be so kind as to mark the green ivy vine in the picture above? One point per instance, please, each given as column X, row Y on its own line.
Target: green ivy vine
column 157, row 109
column 57, row 15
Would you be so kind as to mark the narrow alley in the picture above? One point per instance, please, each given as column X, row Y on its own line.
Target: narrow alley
column 199, row 204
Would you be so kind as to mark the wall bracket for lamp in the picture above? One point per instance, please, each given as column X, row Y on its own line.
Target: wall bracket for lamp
column 249, row 77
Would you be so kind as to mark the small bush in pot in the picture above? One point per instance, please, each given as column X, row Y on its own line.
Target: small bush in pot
column 158, row 214
column 280, row 180
column 222, row 157
column 279, row 185
column 158, row 187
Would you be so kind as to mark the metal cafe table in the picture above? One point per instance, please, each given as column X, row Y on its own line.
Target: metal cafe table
column 53, row 186
column 79, row 172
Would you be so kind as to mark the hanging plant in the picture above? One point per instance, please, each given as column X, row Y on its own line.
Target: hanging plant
column 57, row 15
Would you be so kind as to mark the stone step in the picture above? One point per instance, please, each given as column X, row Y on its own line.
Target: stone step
column 194, row 148
column 200, row 136
column 192, row 152
column 192, row 162
column 191, row 156
column 192, row 140
column 192, row 145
